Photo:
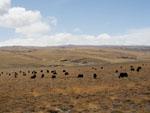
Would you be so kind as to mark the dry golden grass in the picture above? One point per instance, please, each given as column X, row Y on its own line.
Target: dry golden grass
column 69, row 94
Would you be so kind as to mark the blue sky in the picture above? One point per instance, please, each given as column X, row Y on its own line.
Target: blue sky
column 93, row 16
column 88, row 17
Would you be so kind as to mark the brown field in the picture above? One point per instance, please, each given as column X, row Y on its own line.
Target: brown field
column 68, row 93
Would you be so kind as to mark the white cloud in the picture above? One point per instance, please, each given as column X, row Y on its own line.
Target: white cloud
column 18, row 17
column 4, row 6
column 37, row 30
column 34, row 31
column 136, row 37
column 28, row 23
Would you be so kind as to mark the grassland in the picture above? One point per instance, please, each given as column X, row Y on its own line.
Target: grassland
column 68, row 93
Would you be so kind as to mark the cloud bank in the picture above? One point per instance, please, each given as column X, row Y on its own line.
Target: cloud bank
column 4, row 6
column 34, row 30
column 27, row 23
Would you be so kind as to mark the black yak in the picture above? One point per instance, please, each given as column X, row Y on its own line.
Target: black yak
column 139, row 68
column 53, row 76
column 34, row 72
column 33, row 77
column 66, row 73
column 42, row 76
column 15, row 74
column 54, row 72
column 47, row 71
column 94, row 68
column 132, row 68
column 116, row 71
column 94, row 75
column 123, row 75
column 20, row 71
column 80, row 75
column 64, row 70
column 28, row 71
column 24, row 74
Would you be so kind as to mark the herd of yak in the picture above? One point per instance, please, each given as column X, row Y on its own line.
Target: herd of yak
column 54, row 73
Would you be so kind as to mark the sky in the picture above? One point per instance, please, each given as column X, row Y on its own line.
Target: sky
column 77, row 22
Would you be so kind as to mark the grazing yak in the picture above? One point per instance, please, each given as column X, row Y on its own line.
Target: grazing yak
column 66, row 73
column 42, row 76
column 116, row 71
column 33, row 76
column 138, row 68
column 132, row 68
column 28, row 71
column 80, row 75
column 15, row 74
column 123, row 75
column 94, row 68
column 53, row 76
column 20, row 71
column 94, row 75
column 47, row 71
column 54, row 72
column 24, row 74
column 34, row 72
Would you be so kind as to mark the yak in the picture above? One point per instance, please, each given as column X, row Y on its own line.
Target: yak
column 123, row 75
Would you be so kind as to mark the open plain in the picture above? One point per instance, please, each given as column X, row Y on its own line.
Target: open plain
column 75, row 79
